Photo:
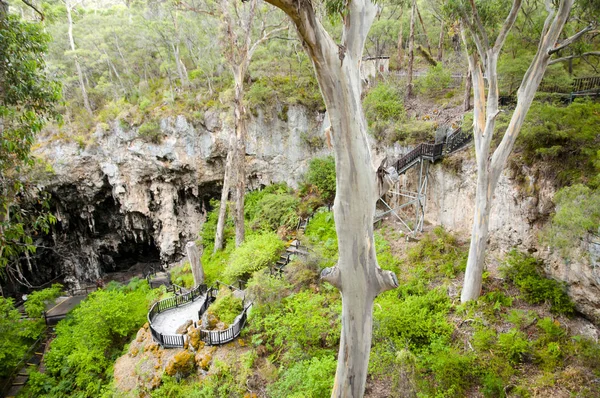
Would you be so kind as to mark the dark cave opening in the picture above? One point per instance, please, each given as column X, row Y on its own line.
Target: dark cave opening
column 129, row 254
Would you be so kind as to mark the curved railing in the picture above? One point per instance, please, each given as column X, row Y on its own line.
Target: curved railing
column 177, row 340
column 209, row 337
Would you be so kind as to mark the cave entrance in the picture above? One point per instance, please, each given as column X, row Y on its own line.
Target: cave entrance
column 132, row 257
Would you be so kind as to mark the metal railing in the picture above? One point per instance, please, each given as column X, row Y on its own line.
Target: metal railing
column 8, row 382
column 209, row 337
column 455, row 140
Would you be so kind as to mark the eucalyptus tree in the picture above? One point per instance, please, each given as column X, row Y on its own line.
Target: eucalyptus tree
column 70, row 6
column 244, row 26
column 484, row 43
column 357, row 274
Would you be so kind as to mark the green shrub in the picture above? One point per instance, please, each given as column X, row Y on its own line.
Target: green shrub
column 150, row 132
column 435, row 80
column 305, row 324
column 90, row 339
column 483, row 339
column 226, row 307
column 513, row 345
column 524, row 272
column 252, row 199
column 439, row 253
column 183, row 276
column 306, row 379
column 577, row 214
column 322, row 236
column 215, row 264
column 384, row 103
column 37, row 301
column 17, row 335
column 497, row 300
column 275, row 211
column 257, row 252
column 321, row 174
column 265, row 290
column 563, row 138
column 209, row 228
column 449, row 371
column 415, row 320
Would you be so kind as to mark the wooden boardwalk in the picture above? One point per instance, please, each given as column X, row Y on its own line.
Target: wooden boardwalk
column 62, row 308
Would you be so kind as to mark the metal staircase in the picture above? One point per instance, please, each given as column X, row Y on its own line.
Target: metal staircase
column 422, row 155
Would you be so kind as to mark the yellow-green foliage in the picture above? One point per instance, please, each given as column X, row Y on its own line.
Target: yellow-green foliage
column 150, row 132
column 564, row 138
column 257, row 252
column 276, row 211
column 435, row 80
column 524, row 271
column 181, row 365
column 182, row 275
column 37, row 301
column 577, row 214
column 438, row 252
column 226, row 307
column 91, row 338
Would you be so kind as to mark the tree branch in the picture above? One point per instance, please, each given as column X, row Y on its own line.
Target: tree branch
column 570, row 40
column 478, row 45
column 266, row 37
column 361, row 14
column 480, row 27
column 591, row 53
column 386, row 280
column 34, row 9
column 186, row 7
column 333, row 276
column 508, row 24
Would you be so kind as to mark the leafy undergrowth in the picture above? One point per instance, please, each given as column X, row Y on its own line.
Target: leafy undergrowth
column 226, row 307
column 79, row 362
column 517, row 340
column 520, row 339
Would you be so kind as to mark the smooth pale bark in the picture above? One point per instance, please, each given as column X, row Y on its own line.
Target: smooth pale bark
column 240, row 155
column 411, row 51
column 239, row 48
column 86, row 100
column 227, row 176
column 571, row 57
column 357, row 274
column 490, row 165
column 194, row 257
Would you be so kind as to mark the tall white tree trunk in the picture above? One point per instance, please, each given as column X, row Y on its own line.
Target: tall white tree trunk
column 490, row 165
column 194, row 257
column 227, row 176
column 357, row 274
column 86, row 101
column 240, row 155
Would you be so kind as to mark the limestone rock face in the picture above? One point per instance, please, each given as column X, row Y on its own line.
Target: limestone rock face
column 519, row 211
column 119, row 198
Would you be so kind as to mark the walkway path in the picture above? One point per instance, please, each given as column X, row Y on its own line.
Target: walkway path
column 167, row 322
